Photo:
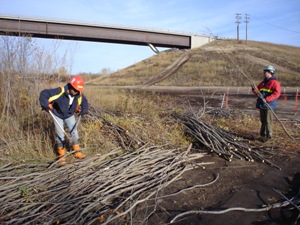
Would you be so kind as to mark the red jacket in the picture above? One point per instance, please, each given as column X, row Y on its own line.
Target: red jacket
column 270, row 90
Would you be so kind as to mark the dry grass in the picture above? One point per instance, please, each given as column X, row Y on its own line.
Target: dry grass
column 142, row 114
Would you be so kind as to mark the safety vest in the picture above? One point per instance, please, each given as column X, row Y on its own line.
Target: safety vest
column 54, row 97
column 266, row 90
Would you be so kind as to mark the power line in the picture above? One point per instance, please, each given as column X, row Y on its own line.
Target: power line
column 279, row 27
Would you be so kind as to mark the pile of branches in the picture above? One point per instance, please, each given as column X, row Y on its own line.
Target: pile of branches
column 123, row 138
column 224, row 143
column 221, row 113
column 101, row 189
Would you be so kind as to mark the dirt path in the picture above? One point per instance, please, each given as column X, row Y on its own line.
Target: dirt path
column 240, row 98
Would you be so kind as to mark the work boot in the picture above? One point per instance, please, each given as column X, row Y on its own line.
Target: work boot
column 61, row 151
column 78, row 154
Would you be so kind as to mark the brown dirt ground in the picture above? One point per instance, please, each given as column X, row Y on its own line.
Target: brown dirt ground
column 240, row 184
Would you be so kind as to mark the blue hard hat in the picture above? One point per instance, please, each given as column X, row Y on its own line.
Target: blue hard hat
column 271, row 69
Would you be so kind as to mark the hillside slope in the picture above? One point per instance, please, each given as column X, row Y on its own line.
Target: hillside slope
column 210, row 65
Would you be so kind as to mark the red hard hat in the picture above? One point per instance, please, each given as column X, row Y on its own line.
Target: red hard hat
column 77, row 83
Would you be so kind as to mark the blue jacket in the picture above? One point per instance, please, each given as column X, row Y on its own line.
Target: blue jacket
column 61, row 106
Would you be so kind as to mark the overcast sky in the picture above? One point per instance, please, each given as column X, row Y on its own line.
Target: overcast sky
column 276, row 21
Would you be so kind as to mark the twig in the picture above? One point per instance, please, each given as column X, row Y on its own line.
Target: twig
column 267, row 208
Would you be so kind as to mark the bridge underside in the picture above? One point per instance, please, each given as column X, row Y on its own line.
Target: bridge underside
column 84, row 32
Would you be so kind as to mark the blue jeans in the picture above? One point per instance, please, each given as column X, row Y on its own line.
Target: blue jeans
column 71, row 123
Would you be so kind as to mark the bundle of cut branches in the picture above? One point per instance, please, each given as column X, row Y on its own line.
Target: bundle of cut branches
column 224, row 143
column 221, row 113
column 124, row 138
column 99, row 189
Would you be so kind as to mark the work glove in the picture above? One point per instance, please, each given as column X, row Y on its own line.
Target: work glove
column 264, row 100
column 82, row 113
column 48, row 108
column 254, row 89
column 264, row 104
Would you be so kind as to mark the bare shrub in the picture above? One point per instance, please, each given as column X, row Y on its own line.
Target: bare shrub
column 25, row 69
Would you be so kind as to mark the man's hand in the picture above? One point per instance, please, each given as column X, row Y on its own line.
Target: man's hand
column 82, row 113
column 48, row 108
column 265, row 103
column 254, row 89
column 264, row 100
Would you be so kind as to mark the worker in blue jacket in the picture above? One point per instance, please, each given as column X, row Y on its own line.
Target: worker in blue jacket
column 63, row 103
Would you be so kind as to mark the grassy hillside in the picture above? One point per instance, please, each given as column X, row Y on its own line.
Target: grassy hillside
column 210, row 65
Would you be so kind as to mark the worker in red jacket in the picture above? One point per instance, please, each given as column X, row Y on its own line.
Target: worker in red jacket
column 63, row 102
column 270, row 92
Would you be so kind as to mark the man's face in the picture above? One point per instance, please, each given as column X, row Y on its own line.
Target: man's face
column 267, row 74
column 72, row 91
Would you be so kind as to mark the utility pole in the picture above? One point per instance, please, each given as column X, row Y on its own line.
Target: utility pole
column 238, row 17
column 247, row 21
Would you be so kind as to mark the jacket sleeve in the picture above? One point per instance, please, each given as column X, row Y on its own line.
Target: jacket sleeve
column 275, row 87
column 257, row 88
column 84, row 105
column 46, row 94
